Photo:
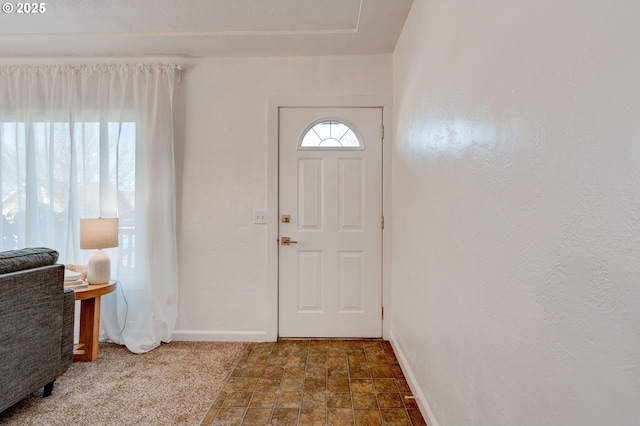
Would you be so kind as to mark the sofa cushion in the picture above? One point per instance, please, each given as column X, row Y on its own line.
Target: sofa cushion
column 27, row 258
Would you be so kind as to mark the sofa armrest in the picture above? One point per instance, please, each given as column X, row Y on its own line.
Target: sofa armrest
column 31, row 315
column 68, row 315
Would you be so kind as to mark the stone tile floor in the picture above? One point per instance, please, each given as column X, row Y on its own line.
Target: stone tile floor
column 316, row 382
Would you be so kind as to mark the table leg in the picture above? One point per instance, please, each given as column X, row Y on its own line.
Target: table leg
column 87, row 348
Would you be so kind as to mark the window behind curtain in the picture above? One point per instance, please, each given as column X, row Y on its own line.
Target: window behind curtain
column 48, row 156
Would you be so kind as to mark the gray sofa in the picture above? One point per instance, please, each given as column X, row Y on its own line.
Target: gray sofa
column 36, row 323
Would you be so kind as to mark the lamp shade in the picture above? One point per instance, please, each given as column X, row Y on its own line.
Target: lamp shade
column 98, row 233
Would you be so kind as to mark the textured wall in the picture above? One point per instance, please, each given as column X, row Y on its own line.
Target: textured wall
column 516, row 211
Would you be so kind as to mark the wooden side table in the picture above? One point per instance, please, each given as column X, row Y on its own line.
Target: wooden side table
column 89, row 297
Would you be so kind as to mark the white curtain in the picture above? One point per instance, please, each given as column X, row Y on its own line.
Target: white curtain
column 96, row 141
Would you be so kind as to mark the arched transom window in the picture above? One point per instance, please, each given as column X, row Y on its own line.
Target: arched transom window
column 330, row 134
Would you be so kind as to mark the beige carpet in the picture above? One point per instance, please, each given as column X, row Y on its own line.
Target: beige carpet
column 174, row 384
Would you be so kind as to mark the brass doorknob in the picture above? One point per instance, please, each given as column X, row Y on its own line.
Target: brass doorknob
column 285, row 241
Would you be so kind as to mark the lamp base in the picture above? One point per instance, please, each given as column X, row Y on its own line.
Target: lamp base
column 99, row 268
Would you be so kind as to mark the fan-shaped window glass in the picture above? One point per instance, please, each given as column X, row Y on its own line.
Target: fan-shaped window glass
column 330, row 134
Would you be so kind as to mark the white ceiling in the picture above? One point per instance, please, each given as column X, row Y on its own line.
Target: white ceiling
column 203, row 28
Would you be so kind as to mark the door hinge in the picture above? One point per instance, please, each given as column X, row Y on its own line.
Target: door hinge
column 382, row 132
column 382, row 312
column 382, row 222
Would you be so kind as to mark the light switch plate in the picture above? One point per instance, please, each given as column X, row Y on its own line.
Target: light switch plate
column 259, row 216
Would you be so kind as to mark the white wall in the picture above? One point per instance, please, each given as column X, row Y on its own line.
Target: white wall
column 516, row 211
column 222, row 166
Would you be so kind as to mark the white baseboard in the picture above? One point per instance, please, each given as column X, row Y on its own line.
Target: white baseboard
column 423, row 404
column 218, row 336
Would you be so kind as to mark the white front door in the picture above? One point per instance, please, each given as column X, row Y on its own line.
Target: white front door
column 330, row 208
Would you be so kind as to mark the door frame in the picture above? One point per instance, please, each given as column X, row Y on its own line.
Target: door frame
column 274, row 105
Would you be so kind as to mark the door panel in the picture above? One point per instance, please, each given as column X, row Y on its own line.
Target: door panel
column 351, row 281
column 309, row 281
column 330, row 273
column 351, row 197
column 310, row 196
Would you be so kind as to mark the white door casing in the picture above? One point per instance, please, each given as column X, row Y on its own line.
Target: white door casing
column 330, row 280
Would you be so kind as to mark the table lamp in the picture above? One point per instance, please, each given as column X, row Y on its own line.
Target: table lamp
column 98, row 234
